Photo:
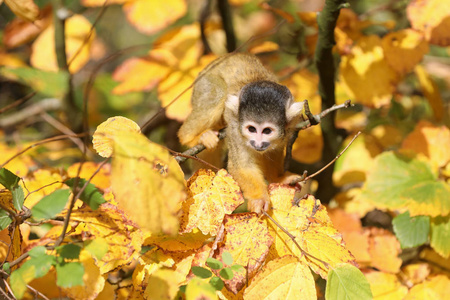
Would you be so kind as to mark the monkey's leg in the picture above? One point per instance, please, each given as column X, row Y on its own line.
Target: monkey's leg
column 208, row 101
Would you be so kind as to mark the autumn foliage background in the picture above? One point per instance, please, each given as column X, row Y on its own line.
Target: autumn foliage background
column 74, row 74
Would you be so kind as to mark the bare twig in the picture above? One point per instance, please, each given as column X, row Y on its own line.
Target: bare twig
column 64, row 129
column 30, row 111
column 52, row 139
column 17, row 102
column 302, row 179
column 37, row 293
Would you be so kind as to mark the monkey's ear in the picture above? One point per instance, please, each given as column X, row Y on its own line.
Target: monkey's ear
column 232, row 103
column 293, row 111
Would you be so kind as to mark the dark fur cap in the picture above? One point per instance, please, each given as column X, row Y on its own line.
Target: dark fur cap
column 263, row 101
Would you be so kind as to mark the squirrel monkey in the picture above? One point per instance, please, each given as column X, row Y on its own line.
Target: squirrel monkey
column 236, row 91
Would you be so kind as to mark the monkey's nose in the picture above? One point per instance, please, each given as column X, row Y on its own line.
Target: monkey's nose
column 259, row 147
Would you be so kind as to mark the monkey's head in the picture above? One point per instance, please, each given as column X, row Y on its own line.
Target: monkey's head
column 265, row 110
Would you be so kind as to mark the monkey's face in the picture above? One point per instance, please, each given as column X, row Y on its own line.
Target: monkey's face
column 261, row 136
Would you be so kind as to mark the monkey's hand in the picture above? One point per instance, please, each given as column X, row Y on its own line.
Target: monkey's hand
column 209, row 139
column 258, row 205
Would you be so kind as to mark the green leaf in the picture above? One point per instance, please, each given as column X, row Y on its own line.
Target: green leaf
column 440, row 235
column 227, row 258
column 217, row 283
column 8, row 179
column 411, row 231
column 347, row 282
column 5, row 220
column 7, row 268
column 91, row 196
column 20, row 278
column 53, row 84
column 37, row 251
column 69, row 274
column 397, row 181
column 201, row 272
column 50, row 205
column 69, row 251
column 214, row 263
column 11, row 181
column 226, row 273
column 97, row 247
column 237, row 268
column 42, row 264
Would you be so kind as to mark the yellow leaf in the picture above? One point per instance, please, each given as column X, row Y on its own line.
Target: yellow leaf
column 385, row 286
column 76, row 31
column 247, row 239
column 436, row 287
column 150, row 16
column 20, row 164
column 404, row 49
column 200, row 289
column 348, row 168
column 266, row 46
column 101, row 178
column 162, row 284
column 43, row 183
column 182, row 242
column 366, row 75
column 431, row 91
column 105, row 132
column 210, row 197
column 93, row 280
column 387, row 136
column 147, row 182
column 11, row 60
column 282, row 278
column 351, row 202
column 384, row 249
column 322, row 246
column 429, row 139
column 175, row 84
column 110, row 223
column 433, row 18
column 139, row 74
column 308, row 146
column 25, row 9
column 416, row 273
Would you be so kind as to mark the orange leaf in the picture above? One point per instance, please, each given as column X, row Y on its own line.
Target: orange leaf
column 247, row 239
column 404, row 49
column 384, row 249
column 282, row 278
column 433, row 18
column 366, row 75
column 150, row 16
column 210, row 197
column 25, row 9
column 428, row 139
column 76, row 31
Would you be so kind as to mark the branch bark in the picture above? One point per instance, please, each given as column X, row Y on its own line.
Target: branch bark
column 326, row 68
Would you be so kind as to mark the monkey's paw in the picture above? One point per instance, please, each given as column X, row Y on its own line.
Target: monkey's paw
column 258, row 205
column 209, row 139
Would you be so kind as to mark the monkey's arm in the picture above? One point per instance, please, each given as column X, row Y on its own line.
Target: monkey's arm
column 252, row 183
column 208, row 101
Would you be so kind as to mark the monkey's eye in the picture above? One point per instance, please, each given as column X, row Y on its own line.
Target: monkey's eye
column 252, row 129
column 267, row 131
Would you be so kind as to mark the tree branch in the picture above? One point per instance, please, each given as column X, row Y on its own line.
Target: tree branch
column 326, row 68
